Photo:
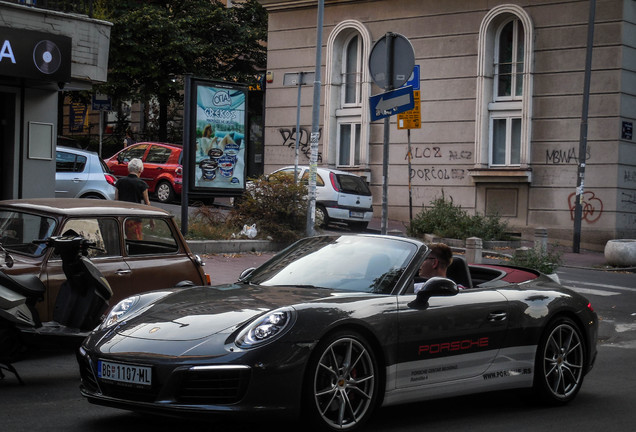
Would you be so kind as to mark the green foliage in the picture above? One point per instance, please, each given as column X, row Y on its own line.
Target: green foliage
column 539, row 259
column 208, row 223
column 445, row 219
column 278, row 208
column 154, row 43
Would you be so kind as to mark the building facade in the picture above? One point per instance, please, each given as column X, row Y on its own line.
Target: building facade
column 43, row 52
column 501, row 102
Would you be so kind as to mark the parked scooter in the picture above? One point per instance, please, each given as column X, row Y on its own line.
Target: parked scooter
column 79, row 307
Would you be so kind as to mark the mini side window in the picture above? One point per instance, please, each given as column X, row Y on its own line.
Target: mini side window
column 149, row 236
column 103, row 231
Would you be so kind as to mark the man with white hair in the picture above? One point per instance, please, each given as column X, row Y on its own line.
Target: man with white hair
column 132, row 188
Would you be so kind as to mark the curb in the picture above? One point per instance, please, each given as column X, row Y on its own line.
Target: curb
column 232, row 246
column 246, row 246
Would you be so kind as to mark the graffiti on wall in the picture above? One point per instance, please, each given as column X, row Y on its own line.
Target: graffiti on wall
column 435, row 173
column 628, row 198
column 564, row 157
column 591, row 206
column 630, row 176
column 430, row 152
column 290, row 137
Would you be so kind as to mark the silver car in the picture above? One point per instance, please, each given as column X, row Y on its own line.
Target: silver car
column 82, row 174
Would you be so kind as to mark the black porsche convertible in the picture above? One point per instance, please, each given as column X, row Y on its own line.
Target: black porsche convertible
column 331, row 328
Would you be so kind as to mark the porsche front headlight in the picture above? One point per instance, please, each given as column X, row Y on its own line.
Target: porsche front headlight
column 119, row 311
column 266, row 328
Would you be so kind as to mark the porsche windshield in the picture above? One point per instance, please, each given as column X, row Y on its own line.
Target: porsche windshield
column 353, row 263
column 18, row 230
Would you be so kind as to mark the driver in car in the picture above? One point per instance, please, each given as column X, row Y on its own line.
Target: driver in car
column 435, row 264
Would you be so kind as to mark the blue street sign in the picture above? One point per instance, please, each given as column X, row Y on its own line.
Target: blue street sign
column 392, row 102
column 102, row 102
column 414, row 79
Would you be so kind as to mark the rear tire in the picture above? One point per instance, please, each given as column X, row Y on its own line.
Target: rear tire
column 342, row 383
column 322, row 217
column 93, row 196
column 164, row 192
column 560, row 363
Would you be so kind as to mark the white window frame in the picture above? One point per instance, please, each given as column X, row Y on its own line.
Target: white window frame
column 357, row 73
column 335, row 111
column 487, row 105
column 508, row 116
column 514, row 74
column 354, row 143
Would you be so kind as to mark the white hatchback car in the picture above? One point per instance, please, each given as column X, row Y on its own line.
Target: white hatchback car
column 340, row 196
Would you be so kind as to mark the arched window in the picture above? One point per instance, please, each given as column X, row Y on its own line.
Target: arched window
column 351, row 71
column 504, row 95
column 509, row 61
column 347, row 87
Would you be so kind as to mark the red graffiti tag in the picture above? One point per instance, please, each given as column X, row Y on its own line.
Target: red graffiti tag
column 592, row 207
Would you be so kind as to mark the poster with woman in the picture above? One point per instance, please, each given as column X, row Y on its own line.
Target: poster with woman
column 221, row 116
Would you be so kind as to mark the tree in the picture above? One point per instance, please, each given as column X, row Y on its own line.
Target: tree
column 154, row 43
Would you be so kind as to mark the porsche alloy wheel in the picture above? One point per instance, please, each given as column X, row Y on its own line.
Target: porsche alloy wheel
column 165, row 194
column 560, row 363
column 343, row 382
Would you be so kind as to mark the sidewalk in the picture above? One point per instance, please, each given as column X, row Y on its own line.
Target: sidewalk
column 227, row 267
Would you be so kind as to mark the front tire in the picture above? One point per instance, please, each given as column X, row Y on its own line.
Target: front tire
column 11, row 347
column 358, row 226
column 560, row 363
column 165, row 193
column 342, row 384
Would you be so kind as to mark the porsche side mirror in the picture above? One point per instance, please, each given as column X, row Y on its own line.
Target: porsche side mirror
column 436, row 287
column 246, row 273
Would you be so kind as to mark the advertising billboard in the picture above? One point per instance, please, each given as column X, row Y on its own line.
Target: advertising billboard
column 218, row 150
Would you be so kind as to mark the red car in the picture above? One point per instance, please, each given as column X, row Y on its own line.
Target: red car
column 162, row 167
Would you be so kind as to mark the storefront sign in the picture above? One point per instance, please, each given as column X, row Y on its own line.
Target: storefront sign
column 35, row 55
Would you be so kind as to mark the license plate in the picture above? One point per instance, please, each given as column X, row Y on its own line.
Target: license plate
column 355, row 214
column 124, row 373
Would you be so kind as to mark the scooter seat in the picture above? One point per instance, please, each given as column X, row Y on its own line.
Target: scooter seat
column 27, row 285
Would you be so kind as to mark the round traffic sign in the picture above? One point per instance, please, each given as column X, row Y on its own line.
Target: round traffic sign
column 392, row 52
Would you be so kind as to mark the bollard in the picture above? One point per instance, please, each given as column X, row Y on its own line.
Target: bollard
column 522, row 252
column 474, row 250
column 540, row 239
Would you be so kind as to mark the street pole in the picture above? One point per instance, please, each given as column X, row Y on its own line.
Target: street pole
column 300, row 86
column 408, row 135
column 187, row 135
column 101, row 131
column 385, row 150
column 315, row 125
column 580, row 182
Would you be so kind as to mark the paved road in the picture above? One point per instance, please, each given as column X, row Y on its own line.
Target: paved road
column 50, row 401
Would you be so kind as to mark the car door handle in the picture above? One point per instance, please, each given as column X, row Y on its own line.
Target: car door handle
column 123, row 272
column 77, row 180
column 497, row 316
